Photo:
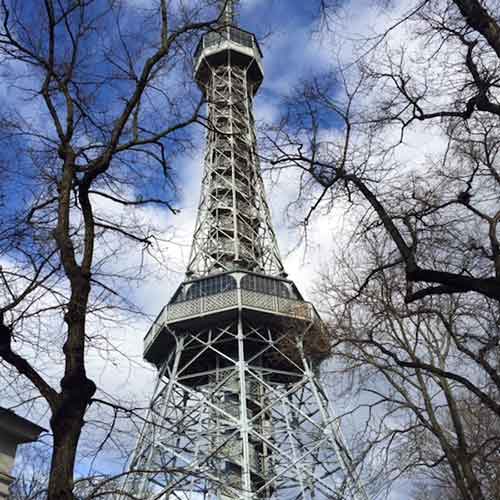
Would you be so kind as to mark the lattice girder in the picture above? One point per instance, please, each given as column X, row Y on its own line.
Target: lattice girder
column 241, row 429
column 233, row 229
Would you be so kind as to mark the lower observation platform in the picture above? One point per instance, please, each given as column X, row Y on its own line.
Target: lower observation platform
column 222, row 297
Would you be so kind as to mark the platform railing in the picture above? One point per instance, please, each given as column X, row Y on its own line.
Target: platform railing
column 230, row 299
column 225, row 35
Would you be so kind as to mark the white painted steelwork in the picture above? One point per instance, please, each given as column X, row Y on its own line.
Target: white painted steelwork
column 233, row 229
column 238, row 411
column 236, row 416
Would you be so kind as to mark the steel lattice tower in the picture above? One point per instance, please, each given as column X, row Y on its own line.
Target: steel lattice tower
column 238, row 411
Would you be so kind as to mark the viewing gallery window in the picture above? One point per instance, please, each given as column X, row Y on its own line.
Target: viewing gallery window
column 211, row 286
column 225, row 282
column 235, row 35
column 241, row 37
column 265, row 285
column 213, row 38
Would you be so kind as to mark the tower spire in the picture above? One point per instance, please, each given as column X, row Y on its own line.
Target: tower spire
column 228, row 12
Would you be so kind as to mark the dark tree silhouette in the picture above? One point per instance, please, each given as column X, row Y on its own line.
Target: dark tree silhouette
column 97, row 109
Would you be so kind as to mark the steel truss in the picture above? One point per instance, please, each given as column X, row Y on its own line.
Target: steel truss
column 238, row 411
column 243, row 427
column 233, row 229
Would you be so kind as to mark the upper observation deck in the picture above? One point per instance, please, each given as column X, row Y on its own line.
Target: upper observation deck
column 228, row 45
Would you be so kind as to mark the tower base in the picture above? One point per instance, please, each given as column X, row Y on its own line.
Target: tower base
column 239, row 413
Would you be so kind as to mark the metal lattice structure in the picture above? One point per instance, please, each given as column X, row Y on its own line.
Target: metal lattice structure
column 238, row 411
column 233, row 229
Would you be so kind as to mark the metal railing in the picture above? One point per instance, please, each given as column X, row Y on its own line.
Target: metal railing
column 231, row 299
column 227, row 34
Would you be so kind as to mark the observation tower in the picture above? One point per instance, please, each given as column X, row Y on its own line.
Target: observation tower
column 238, row 411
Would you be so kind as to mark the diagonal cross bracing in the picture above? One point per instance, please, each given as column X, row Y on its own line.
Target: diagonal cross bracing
column 233, row 229
column 289, row 429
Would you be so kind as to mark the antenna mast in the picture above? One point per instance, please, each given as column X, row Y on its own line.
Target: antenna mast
column 228, row 12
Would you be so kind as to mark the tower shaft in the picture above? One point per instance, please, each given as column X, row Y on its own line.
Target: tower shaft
column 233, row 229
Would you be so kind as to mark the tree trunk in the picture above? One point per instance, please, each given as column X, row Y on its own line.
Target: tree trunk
column 76, row 392
column 67, row 424
column 473, row 484
column 67, row 429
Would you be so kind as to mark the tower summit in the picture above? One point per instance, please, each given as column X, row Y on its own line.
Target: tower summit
column 238, row 411
column 227, row 9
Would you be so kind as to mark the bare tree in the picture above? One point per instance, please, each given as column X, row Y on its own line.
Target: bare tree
column 425, row 232
column 98, row 108
column 448, row 80
column 427, row 398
